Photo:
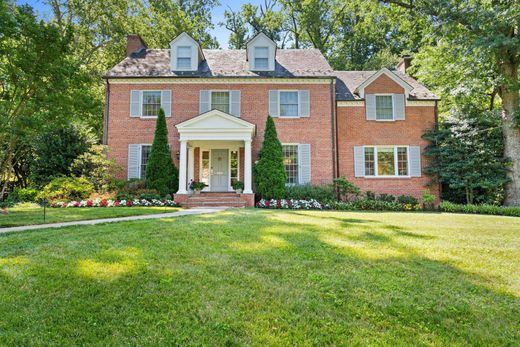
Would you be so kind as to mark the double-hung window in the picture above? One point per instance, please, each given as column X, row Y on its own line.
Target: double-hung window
column 290, row 160
column 151, row 103
column 384, row 107
column 386, row 161
column 220, row 101
column 145, row 154
column 184, row 58
column 289, row 104
column 261, row 55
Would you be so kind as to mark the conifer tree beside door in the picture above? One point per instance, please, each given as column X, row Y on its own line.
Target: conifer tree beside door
column 269, row 171
column 161, row 173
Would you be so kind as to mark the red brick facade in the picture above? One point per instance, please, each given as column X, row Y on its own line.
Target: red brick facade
column 318, row 130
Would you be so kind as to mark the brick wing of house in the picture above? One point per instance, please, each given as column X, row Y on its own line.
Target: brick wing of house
column 363, row 125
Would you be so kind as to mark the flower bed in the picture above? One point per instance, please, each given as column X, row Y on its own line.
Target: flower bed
column 114, row 203
column 291, row 204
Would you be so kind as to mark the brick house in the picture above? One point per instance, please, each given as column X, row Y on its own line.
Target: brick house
column 364, row 125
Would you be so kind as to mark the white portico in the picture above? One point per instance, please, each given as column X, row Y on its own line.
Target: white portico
column 218, row 136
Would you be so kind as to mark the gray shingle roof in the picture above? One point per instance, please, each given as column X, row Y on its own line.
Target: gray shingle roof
column 224, row 63
column 348, row 81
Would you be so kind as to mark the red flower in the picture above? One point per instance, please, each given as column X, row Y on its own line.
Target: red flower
column 129, row 203
column 267, row 203
column 103, row 203
column 278, row 204
column 89, row 203
column 64, row 204
column 76, row 204
column 116, row 203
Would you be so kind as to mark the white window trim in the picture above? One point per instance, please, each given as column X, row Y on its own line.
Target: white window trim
column 219, row 90
column 177, row 59
column 142, row 103
column 268, row 58
column 280, row 103
column 393, row 113
column 396, row 167
column 298, row 163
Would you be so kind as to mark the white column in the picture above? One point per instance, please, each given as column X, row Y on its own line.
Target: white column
column 182, row 168
column 191, row 163
column 247, row 167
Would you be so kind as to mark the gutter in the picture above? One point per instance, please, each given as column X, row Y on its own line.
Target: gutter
column 106, row 77
column 105, row 125
column 334, row 129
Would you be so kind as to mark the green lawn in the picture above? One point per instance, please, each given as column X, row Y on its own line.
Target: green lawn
column 34, row 215
column 260, row 277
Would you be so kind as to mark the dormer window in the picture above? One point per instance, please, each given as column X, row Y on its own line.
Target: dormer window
column 261, row 55
column 184, row 57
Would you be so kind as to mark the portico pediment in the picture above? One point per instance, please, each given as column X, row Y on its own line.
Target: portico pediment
column 215, row 125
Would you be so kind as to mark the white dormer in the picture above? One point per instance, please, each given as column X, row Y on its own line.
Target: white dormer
column 185, row 53
column 261, row 53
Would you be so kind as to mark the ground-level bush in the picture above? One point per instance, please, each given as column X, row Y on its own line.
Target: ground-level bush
column 23, row 195
column 323, row 192
column 372, row 205
column 66, row 188
column 447, row 206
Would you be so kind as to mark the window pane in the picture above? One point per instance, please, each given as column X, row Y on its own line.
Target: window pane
column 145, row 153
column 234, row 166
column 402, row 161
column 289, row 104
column 183, row 63
column 370, row 165
column 261, row 63
column 290, row 159
column 184, row 52
column 204, row 175
column 385, row 161
column 384, row 108
column 220, row 101
column 151, row 103
column 261, row 52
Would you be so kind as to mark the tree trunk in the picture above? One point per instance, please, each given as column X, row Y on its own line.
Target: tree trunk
column 510, row 108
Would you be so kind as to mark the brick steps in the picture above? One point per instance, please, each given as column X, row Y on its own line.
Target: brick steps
column 214, row 199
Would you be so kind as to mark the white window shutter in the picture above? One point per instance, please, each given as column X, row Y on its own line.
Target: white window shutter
column 414, row 153
column 304, row 163
column 274, row 97
column 135, row 103
column 359, row 161
column 166, row 102
column 303, row 96
column 370, row 106
column 134, row 161
column 399, row 106
column 234, row 96
column 204, row 102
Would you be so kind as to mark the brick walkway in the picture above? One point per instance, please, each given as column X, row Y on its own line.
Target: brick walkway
column 192, row 211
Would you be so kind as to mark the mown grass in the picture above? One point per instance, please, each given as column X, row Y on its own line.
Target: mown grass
column 34, row 215
column 260, row 277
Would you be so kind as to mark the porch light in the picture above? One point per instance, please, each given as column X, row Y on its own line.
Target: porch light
column 178, row 155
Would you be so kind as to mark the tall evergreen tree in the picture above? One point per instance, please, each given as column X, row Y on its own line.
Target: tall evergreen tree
column 269, row 171
column 161, row 173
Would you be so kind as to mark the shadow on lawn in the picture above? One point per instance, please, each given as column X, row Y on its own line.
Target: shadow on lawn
column 244, row 277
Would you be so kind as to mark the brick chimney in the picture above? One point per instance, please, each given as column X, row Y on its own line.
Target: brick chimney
column 134, row 43
column 405, row 63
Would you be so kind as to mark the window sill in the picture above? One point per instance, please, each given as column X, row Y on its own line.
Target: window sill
column 387, row 177
column 384, row 120
column 148, row 117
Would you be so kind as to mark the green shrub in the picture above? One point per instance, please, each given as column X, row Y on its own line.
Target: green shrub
column 96, row 168
column 269, row 170
column 366, row 205
column 428, row 200
column 370, row 195
column 161, row 173
column 66, row 188
column 512, row 211
column 308, row 191
column 407, row 200
column 386, row 197
column 140, row 193
column 345, row 190
column 23, row 195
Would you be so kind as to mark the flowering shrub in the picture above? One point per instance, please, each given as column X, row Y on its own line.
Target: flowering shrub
column 115, row 203
column 291, row 204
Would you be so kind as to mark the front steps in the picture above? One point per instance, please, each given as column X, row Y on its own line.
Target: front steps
column 209, row 199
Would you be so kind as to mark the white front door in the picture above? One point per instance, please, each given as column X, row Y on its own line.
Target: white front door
column 219, row 170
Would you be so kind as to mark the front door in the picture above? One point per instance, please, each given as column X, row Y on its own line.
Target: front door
column 219, row 170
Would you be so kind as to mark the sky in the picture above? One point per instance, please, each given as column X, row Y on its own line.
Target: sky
column 221, row 33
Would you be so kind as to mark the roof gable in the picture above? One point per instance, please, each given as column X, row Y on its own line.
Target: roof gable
column 361, row 88
column 215, row 119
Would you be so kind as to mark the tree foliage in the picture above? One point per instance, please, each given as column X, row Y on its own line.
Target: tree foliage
column 467, row 157
column 269, row 171
column 161, row 173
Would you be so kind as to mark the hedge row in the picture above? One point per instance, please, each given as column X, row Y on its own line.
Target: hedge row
column 447, row 206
